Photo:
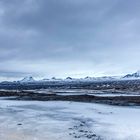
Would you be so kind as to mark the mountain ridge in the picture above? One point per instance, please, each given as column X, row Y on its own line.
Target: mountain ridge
column 30, row 79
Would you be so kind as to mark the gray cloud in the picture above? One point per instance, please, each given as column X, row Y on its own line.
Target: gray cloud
column 69, row 38
column 12, row 74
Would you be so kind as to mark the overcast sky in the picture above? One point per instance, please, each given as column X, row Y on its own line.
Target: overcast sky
column 76, row 38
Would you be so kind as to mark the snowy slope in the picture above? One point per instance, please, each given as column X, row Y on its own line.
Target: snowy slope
column 27, row 80
column 135, row 75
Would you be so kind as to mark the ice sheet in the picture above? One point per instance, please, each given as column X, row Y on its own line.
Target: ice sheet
column 35, row 120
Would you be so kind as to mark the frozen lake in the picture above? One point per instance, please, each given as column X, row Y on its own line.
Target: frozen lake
column 36, row 120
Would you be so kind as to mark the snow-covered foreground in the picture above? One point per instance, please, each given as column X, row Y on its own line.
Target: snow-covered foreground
column 35, row 120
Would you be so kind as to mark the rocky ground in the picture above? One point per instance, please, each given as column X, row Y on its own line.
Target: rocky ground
column 123, row 85
column 53, row 96
column 69, row 114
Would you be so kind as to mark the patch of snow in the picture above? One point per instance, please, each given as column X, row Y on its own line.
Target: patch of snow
column 67, row 121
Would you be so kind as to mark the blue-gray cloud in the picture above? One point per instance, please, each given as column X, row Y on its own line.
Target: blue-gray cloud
column 67, row 37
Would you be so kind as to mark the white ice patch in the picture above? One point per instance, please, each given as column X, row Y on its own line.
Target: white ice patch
column 36, row 120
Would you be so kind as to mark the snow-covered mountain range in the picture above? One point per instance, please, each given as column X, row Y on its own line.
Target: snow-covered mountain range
column 30, row 79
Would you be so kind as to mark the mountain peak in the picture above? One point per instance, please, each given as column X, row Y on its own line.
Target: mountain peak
column 28, row 79
column 133, row 75
column 68, row 78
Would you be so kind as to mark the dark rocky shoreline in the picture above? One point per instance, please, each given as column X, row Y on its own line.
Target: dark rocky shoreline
column 112, row 100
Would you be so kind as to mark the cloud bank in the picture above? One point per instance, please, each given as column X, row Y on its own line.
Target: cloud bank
column 62, row 38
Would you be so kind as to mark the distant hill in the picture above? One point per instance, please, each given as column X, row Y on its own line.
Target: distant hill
column 133, row 75
column 27, row 80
